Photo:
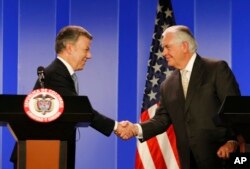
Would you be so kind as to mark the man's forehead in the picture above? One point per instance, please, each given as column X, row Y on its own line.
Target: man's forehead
column 167, row 38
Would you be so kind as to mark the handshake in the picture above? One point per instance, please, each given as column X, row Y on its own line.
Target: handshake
column 126, row 130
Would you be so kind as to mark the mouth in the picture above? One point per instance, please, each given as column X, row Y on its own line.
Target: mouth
column 167, row 58
column 84, row 61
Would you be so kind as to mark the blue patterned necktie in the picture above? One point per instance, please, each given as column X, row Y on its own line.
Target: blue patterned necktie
column 74, row 77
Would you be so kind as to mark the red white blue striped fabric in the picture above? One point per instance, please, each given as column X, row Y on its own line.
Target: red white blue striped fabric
column 158, row 152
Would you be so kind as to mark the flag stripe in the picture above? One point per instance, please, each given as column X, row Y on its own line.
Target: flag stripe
column 156, row 155
column 161, row 159
column 169, row 156
column 172, row 138
column 166, row 142
column 144, row 153
column 154, row 147
column 138, row 162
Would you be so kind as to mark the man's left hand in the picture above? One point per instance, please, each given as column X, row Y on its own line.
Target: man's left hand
column 225, row 150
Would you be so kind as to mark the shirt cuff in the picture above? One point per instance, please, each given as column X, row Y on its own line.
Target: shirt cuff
column 116, row 126
column 233, row 142
column 140, row 134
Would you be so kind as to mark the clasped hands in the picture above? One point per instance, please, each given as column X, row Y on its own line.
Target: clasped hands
column 126, row 130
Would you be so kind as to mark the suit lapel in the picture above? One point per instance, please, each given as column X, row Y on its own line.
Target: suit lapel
column 177, row 89
column 63, row 71
column 195, row 81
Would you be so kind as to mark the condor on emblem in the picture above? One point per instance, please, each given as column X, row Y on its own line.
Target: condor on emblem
column 43, row 105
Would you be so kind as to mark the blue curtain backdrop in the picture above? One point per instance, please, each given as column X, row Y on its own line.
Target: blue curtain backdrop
column 114, row 78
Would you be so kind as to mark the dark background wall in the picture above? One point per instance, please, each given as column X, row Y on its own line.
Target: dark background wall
column 114, row 78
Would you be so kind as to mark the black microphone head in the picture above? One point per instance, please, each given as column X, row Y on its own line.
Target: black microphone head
column 40, row 70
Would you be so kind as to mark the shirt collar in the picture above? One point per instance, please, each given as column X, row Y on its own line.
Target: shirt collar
column 70, row 69
column 190, row 64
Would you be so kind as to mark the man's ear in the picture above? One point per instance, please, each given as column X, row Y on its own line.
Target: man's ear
column 185, row 46
column 69, row 48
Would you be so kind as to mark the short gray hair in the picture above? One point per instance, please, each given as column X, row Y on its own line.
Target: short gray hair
column 182, row 33
column 70, row 33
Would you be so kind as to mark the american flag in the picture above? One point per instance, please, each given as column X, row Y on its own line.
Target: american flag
column 158, row 152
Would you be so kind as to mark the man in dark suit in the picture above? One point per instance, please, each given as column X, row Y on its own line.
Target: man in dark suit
column 191, row 104
column 73, row 50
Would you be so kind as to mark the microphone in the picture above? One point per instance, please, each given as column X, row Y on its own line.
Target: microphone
column 41, row 76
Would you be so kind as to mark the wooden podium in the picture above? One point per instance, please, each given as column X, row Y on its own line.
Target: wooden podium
column 43, row 145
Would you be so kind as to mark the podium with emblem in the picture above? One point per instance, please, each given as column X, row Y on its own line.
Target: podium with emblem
column 43, row 142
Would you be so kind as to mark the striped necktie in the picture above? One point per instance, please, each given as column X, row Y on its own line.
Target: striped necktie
column 74, row 77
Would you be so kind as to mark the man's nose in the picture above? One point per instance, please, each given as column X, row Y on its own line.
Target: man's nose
column 89, row 56
column 164, row 52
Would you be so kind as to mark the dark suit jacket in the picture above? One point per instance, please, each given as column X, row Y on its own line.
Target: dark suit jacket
column 57, row 78
column 193, row 118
